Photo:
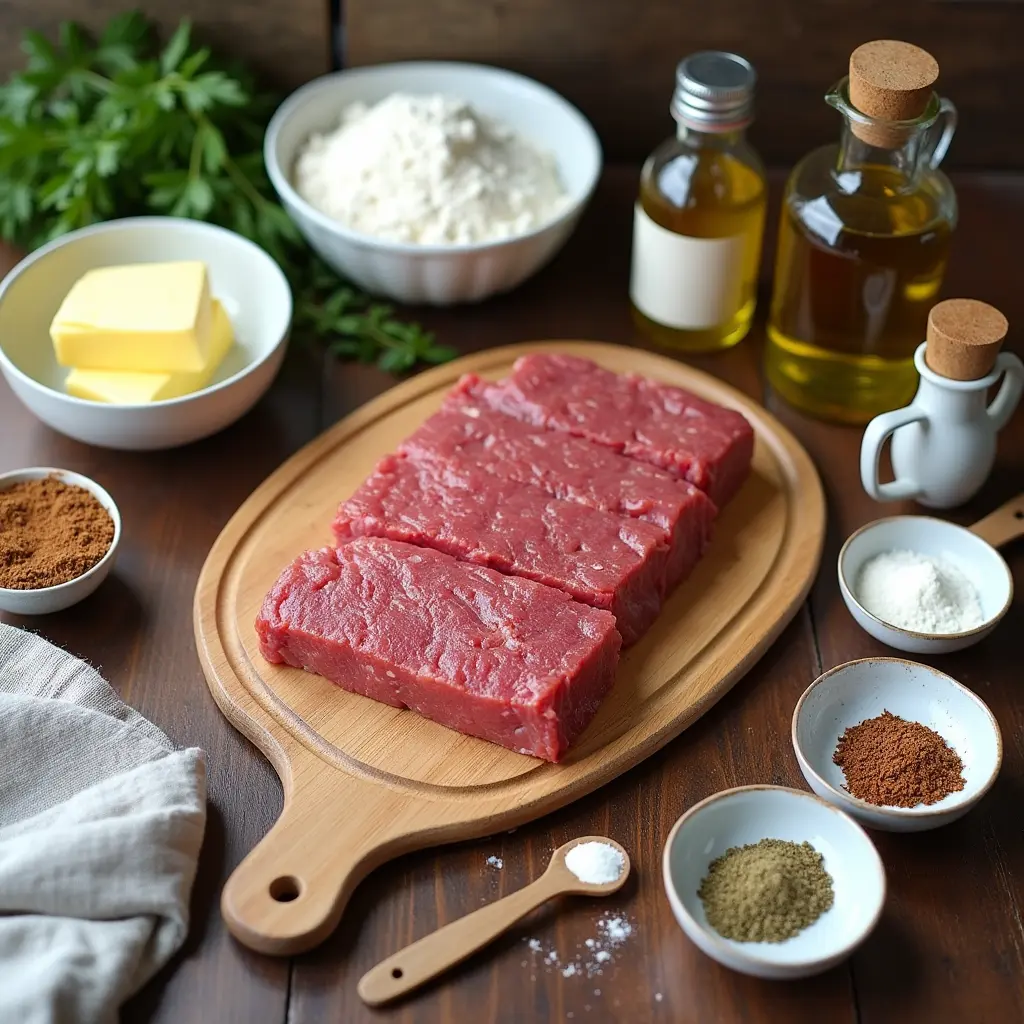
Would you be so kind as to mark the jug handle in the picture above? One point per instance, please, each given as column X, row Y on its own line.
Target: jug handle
column 942, row 131
column 1001, row 409
column 878, row 430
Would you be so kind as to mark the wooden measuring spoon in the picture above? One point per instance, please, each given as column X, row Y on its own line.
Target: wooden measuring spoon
column 435, row 953
column 1003, row 525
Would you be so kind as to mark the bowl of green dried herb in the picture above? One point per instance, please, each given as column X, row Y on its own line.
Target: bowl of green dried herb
column 773, row 882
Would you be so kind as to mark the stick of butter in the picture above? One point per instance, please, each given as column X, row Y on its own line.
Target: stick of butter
column 141, row 388
column 143, row 317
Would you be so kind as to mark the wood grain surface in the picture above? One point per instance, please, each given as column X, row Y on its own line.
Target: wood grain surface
column 950, row 946
column 616, row 61
column 365, row 782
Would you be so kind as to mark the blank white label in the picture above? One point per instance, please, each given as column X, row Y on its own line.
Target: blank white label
column 683, row 282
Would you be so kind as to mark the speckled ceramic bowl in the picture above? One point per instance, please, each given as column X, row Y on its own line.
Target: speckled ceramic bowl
column 54, row 599
column 850, row 693
column 738, row 817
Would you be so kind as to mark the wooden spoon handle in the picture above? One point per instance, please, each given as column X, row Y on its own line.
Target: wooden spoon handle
column 1003, row 525
column 435, row 953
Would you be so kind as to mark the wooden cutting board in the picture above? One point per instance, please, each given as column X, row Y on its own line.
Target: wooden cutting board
column 364, row 782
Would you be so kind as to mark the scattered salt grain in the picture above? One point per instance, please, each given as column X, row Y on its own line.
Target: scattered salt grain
column 595, row 863
column 594, row 953
column 616, row 928
column 495, row 862
column 657, row 997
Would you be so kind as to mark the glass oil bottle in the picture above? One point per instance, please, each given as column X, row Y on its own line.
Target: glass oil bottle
column 863, row 242
column 699, row 217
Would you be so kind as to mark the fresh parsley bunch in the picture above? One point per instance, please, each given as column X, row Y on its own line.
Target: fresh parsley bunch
column 116, row 126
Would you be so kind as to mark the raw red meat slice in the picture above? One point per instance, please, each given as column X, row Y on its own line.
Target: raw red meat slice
column 704, row 443
column 468, row 432
column 601, row 559
column 494, row 656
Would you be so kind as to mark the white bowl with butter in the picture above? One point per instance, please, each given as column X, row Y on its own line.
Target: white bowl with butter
column 247, row 283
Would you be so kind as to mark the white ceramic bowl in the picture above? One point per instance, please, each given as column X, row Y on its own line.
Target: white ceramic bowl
column 850, row 693
column 438, row 274
column 55, row 599
column 738, row 817
column 974, row 557
column 248, row 282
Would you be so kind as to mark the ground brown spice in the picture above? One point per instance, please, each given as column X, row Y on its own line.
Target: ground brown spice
column 50, row 532
column 892, row 762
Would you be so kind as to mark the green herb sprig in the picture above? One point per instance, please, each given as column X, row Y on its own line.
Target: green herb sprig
column 116, row 126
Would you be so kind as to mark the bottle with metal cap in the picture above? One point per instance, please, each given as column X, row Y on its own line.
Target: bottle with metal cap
column 699, row 217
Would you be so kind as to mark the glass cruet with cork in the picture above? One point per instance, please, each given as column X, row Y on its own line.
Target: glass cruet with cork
column 699, row 217
column 863, row 241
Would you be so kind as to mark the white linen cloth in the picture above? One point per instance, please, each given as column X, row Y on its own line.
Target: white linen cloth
column 101, row 821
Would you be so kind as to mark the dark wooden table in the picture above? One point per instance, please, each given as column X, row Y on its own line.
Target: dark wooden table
column 950, row 945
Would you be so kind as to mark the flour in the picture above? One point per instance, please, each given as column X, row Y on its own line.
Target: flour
column 919, row 593
column 595, row 863
column 429, row 170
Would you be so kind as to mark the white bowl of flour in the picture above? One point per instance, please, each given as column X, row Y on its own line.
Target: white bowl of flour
column 924, row 585
column 432, row 182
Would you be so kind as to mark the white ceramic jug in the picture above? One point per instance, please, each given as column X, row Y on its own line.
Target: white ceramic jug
column 944, row 442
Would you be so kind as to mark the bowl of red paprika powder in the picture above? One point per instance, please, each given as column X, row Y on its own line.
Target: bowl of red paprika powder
column 59, row 534
column 899, row 746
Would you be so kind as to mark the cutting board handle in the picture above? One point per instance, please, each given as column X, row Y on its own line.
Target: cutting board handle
column 289, row 893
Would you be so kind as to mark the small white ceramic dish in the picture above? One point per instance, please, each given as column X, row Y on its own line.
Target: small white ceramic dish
column 738, row 817
column 848, row 694
column 972, row 555
column 438, row 274
column 56, row 599
column 247, row 281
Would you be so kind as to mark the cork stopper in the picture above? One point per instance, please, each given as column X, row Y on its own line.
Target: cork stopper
column 964, row 338
column 890, row 81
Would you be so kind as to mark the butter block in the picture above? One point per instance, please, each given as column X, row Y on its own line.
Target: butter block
column 147, row 317
column 140, row 388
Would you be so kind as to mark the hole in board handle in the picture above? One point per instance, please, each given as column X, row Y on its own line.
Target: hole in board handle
column 285, row 889
column 396, row 972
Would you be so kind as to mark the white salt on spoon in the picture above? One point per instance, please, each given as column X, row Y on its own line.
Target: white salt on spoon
column 595, row 862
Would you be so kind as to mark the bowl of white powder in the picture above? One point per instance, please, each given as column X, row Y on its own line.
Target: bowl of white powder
column 923, row 585
column 431, row 181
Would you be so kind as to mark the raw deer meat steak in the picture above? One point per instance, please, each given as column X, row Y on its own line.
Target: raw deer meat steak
column 701, row 442
column 494, row 656
column 604, row 560
column 468, row 432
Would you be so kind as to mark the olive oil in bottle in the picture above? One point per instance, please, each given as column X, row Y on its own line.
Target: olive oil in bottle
column 863, row 242
column 699, row 217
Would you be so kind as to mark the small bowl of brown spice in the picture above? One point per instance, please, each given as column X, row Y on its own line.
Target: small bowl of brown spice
column 59, row 533
column 900, row 746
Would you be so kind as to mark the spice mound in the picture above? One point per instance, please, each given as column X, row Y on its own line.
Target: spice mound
column 50, row 533
column 595, row 863
column 429, row 170
column 919, row 593
column 767, row 892
column 891, row 762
